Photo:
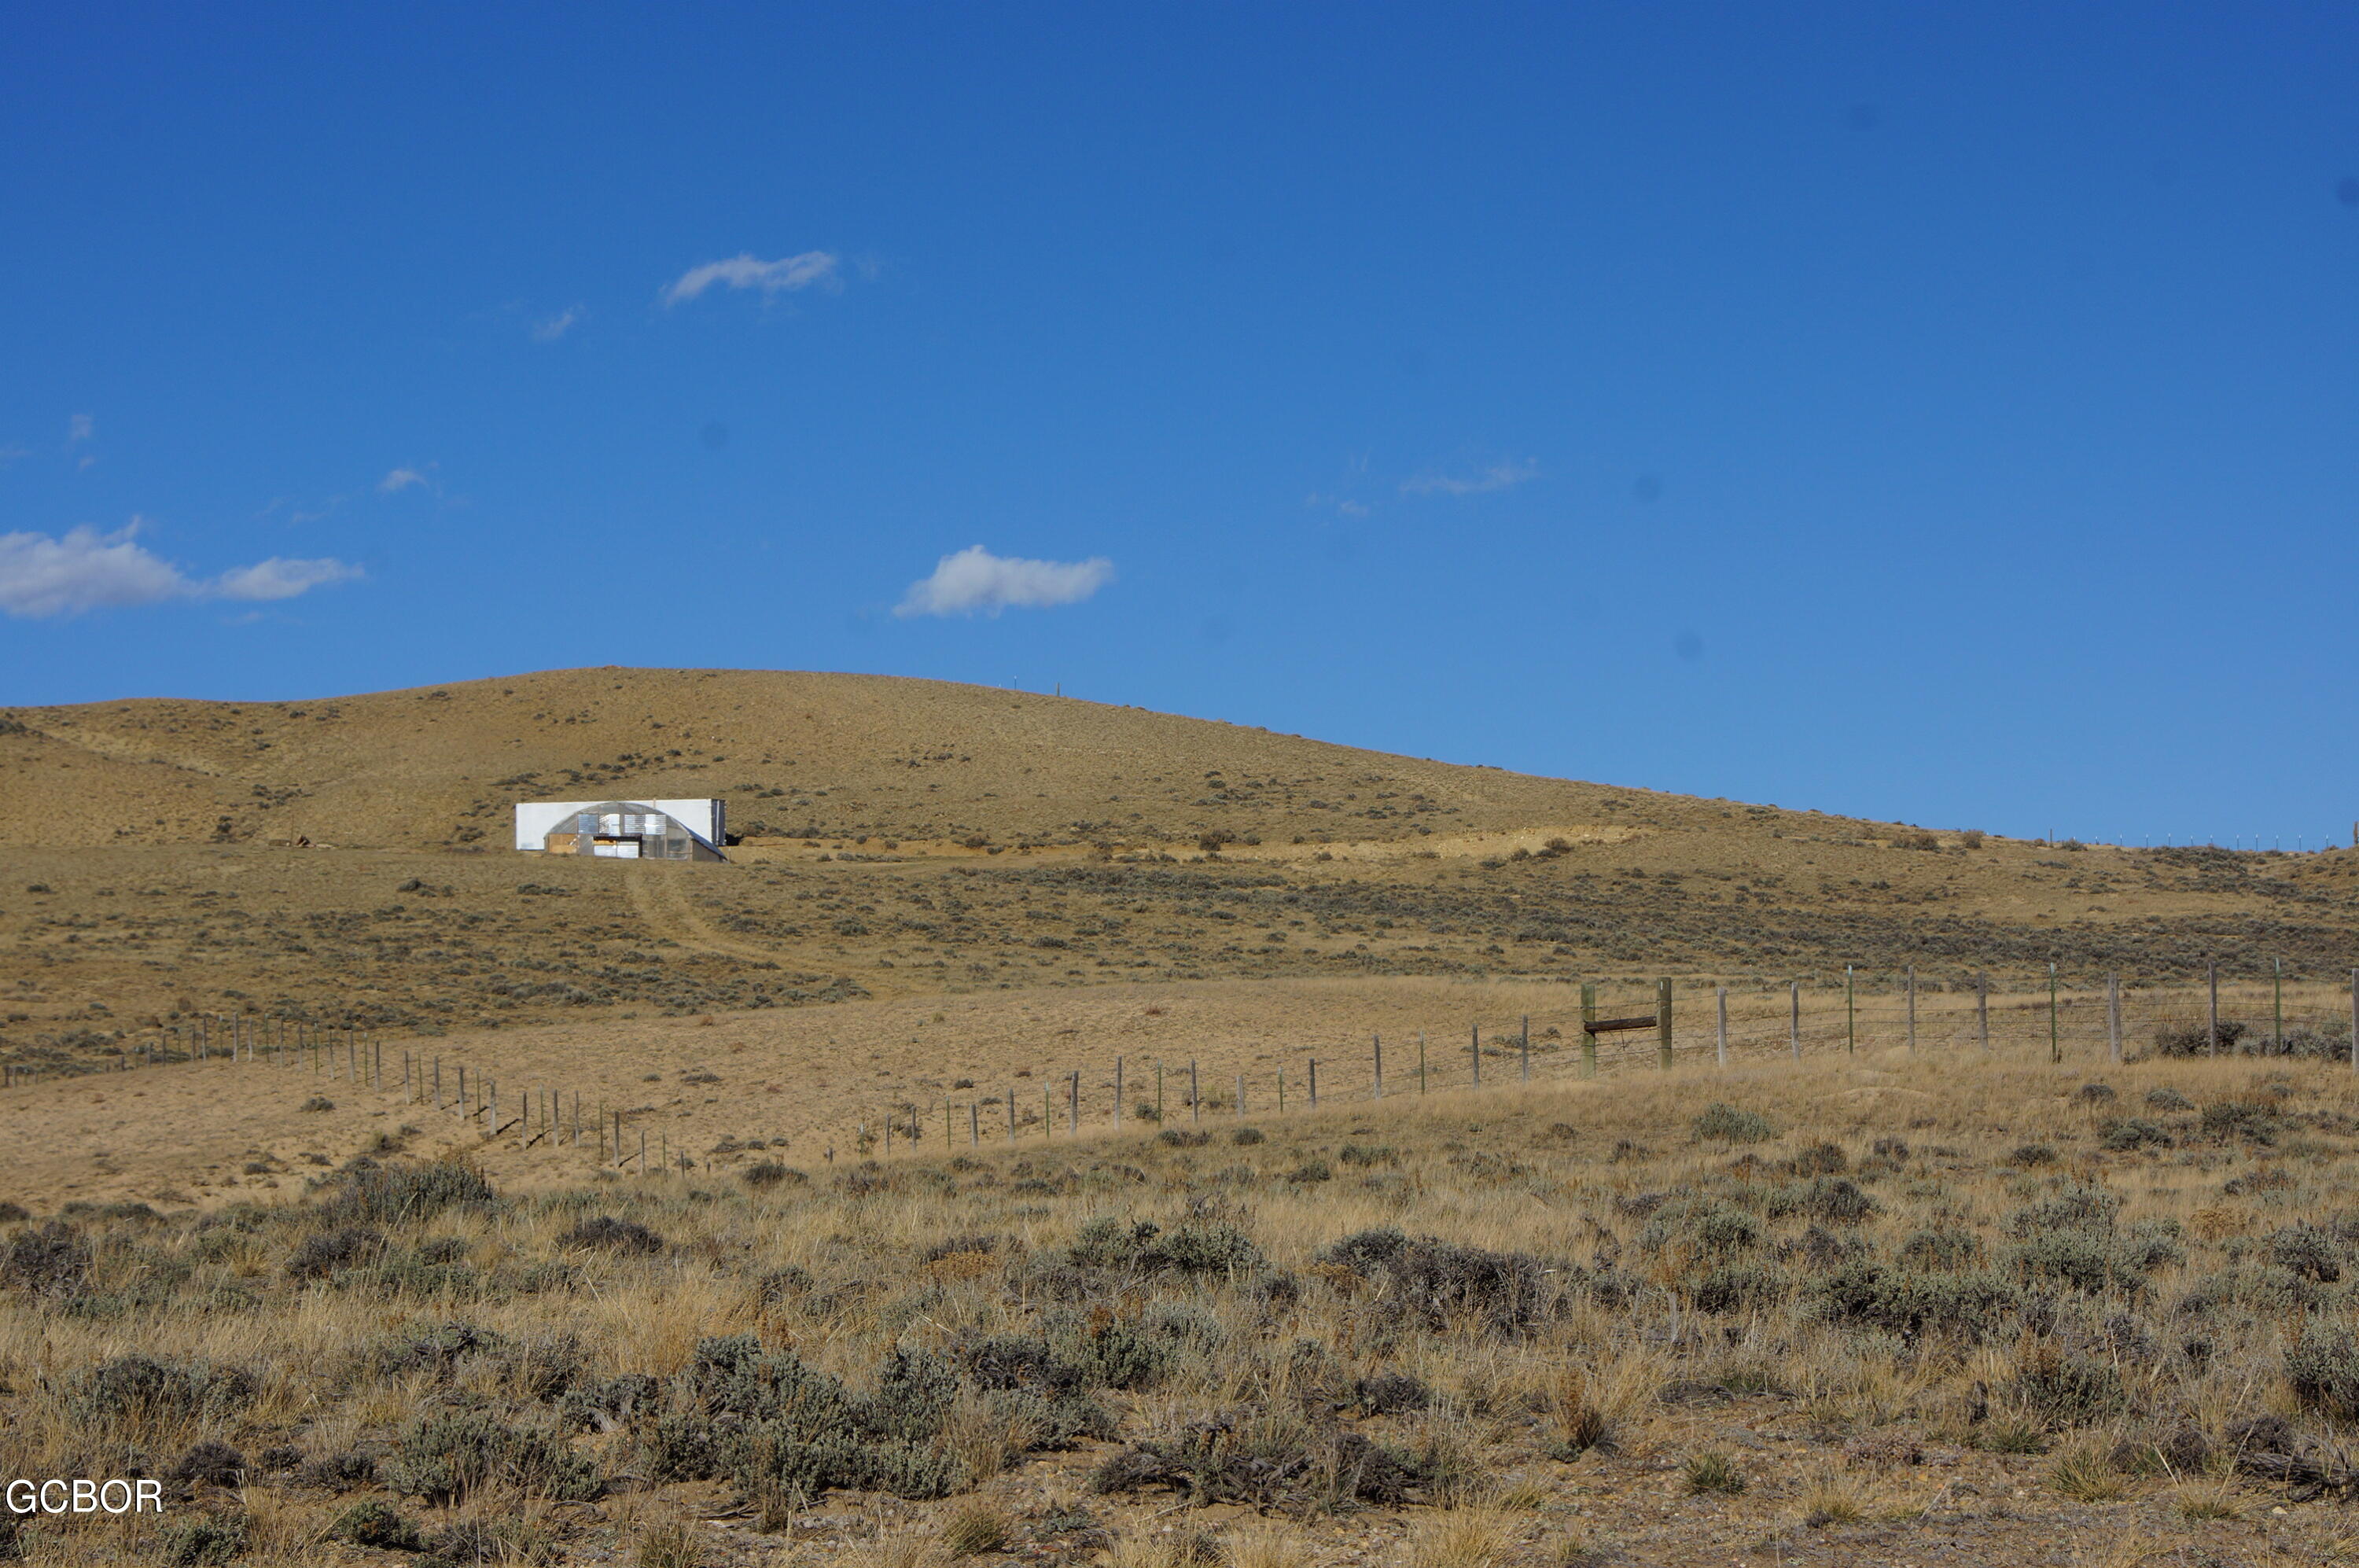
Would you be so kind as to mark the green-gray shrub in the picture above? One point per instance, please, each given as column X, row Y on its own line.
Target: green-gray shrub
column 1728, row 1124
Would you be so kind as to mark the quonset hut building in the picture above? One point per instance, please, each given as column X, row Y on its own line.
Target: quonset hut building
column 623, row 829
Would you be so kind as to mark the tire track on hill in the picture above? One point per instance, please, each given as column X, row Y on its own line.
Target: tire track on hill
column 663, row 903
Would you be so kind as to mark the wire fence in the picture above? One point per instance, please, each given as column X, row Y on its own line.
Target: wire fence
column 1602, row 1029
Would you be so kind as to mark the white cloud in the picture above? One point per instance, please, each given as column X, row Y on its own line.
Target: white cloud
column 81, row 428
column 557, row 326
column 975, row 580
column 1498, row 477
column 280, row 578
column 42, row 576
column 400, row 479
column 84, row 570
column 10, row 452
column 785, row 275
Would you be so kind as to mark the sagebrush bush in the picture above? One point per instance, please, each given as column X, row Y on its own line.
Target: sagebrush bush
column 2322, row 1369
column 2307, row 1251
column 1916, row 1303
column 49, row 1261
column 377, row 1525
column 606, row 1233
column 135, row 1388
column 446, row 1456
column 1727, row 1124
column 367, row 1192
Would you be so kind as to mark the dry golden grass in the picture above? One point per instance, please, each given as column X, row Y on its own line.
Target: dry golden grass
column 162, row 891
column 1835, row 1425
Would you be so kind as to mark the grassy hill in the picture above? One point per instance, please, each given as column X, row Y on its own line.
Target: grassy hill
column 912, row 838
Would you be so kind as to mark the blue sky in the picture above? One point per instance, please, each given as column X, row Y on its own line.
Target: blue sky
column 1947, row 413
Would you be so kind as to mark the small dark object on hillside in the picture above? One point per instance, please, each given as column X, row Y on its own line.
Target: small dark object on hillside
column 345, row 1470
column 1390, row 1393
column 324, row 1255
column 1891, row 1148
column 2095, row 1094
column 607, row 1234
column 204, row 1540
column 2240, row 1118
column 769, row 1173
column 1247, row 1135
column 2195, row 1039
column 2030, row 1156
column 317, row 1102
column 1818, row 1160
column 210, row 1462
column 1182, row 1137
column 2125, row 1134
column 2308, row 1251
column 377, row 1525
column 49, row 1259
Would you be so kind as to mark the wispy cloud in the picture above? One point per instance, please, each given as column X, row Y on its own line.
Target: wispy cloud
column 280, row 578
column 975, row 581
column 557, row 326
column 81, row 428
column 400, row 479
column 13, row 451
column 42, row 576
column 1497, row 476
column 784, row 276
column 1342, row 506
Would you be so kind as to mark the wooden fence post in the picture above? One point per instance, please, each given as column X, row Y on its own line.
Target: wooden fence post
column 1982, row 1005
column 974, row 1125
column 1241, row 1095
column 1314, row 1082
column 1474, row 1048
column 1195, row 1097
column 1117, row 1093
column 1723, row 1026
column 2055, row 1040
column 1912, row 1006
column 1420, row 1061
column 1794, row 1018
column 2277, row 1006
column 1588, row 1035
column 2113, row 1018
column 2212, row 1018
column 1663, row 1018
column 1378, row 1048
column 1850, row 1014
